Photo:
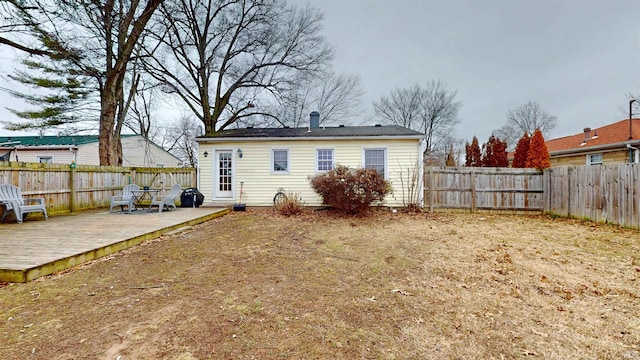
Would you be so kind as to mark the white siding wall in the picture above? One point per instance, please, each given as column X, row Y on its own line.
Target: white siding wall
column 260, row 185
column 61, row 156
column 138, row 152
column 88, row 154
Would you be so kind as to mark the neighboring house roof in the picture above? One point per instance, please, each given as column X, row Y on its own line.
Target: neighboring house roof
column 50, row 141
column 387, row 131
column 612, row 135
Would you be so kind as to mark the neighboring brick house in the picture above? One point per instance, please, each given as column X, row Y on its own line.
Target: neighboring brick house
column 610, row 144
column 83, row 149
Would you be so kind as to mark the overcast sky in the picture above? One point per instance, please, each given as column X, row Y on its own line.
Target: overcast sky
column 578, row 59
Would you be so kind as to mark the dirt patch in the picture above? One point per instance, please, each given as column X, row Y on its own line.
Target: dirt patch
column 256, row 285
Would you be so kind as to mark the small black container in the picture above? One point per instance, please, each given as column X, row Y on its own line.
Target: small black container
column 239, row 207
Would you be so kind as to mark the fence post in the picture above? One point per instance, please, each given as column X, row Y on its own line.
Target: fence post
column 431, row 190
column 132, row 176
column 473, row 191
column 72, row 189
column 569, row 171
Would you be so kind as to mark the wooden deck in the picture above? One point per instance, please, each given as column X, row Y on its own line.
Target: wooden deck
column 37, row 247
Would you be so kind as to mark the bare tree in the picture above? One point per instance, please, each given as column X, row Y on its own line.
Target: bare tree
column 438, row 114
column 448, row 144
column 335, row 97
column 525, row 118
column 431, row 110
column 338, row 97
column 180, row 140
column 98, row 39
column 223, row 58
column 401, row 107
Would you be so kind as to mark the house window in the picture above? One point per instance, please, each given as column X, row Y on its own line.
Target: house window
column 376, row 159
column 633, row 158
column 45, row 159
column 280, row 161
column 324, row 160
column 594, row 159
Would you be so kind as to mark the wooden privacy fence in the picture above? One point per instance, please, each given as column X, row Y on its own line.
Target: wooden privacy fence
column 604, row 193
column 475, row 188
column 87, row 186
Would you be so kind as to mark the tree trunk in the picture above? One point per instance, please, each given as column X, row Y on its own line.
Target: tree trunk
column 109, row 103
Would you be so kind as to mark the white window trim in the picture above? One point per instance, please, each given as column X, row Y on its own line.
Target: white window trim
column 333, row 159
column 38, row 157
column 597, row 163
column 271, row 163
column 386, row 157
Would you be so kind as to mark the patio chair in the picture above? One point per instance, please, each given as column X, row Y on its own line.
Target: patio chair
column 126, row 199
column 166, row 200
column 11, row 197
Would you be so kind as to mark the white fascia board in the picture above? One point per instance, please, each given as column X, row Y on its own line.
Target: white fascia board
column 344, row 138
column 584, row 150
column 46, row 147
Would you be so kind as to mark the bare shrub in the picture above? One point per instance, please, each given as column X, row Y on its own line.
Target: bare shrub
column 290, row 205
column 351, row 191
column 410, row 183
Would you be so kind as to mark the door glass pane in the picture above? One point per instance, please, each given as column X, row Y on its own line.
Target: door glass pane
column 224, row 172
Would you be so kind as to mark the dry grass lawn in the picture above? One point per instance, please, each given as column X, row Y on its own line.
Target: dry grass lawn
column 393, row 286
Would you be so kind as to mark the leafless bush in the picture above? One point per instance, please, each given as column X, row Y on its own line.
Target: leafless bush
column 289, row 205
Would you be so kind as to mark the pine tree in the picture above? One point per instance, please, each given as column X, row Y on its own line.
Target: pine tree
column 522, row 151
column 473, row 154
column 495, row 153
column 67, row 98
column 538, row 154
column 488, row 159
column 500, row 153
column 450, row 158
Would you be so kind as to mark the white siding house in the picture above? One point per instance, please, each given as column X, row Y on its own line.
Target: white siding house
column 83, row 149
column 266, row 160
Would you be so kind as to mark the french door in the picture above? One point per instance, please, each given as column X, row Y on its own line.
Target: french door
column 224, row 174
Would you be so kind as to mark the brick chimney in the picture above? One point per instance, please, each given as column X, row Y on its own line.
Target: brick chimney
column 587, row 134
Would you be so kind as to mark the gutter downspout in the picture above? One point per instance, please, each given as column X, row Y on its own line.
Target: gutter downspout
column 422, row 145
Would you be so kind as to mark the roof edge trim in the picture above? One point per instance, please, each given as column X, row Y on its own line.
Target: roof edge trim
column 594, row 148
column 299, row 138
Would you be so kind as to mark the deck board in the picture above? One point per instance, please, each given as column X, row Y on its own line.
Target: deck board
column 37, row 247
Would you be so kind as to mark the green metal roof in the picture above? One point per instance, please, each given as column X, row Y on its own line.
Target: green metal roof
column 36, row 140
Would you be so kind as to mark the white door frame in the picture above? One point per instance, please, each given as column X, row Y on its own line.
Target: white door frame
column 228, row 193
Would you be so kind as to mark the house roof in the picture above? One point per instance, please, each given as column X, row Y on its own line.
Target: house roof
column 612, row 134
column 27, row 141
column 321, row 132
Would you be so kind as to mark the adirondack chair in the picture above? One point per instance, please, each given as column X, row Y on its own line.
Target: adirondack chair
column 162, row 201
column 126, row 199
column 11, row 197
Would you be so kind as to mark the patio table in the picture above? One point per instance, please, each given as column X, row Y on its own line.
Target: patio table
column 143, row 195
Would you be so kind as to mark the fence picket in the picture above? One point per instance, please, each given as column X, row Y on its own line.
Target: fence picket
column 92, row 186
column 607, row 193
